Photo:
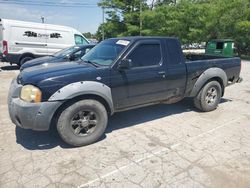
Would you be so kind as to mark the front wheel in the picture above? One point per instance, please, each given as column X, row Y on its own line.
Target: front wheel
column 82, row 123
column 209, row 97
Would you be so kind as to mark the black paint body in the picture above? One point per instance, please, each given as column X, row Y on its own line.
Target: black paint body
column 173, row 79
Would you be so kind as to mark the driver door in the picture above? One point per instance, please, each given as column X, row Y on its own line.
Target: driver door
column 145, row 81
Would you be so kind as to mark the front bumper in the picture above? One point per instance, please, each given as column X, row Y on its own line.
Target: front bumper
column 35, row 116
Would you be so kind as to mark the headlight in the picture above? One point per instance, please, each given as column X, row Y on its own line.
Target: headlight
column 31, row 93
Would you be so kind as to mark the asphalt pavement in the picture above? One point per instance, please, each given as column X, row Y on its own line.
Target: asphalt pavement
column 158, row 146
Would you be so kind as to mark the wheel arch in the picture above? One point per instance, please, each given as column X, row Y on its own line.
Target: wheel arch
column 209, row 75
column 76, row 91
column 75, row 99
column 26, row 54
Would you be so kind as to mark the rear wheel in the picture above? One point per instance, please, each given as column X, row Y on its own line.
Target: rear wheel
column 82, row 123
column 25, row 59
column 209, row 97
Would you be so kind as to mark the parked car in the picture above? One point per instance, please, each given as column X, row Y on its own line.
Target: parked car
column 72, row 53
column 117, row 75
column 22, row 41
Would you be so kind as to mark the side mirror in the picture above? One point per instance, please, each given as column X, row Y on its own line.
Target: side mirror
column 71, row 57
column 124, row 64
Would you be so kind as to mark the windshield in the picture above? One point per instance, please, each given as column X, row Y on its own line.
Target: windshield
column 66, row 51
column 106, row 52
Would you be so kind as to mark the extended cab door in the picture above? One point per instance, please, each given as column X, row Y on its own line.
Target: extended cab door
column 176, row 69
column 145, row 80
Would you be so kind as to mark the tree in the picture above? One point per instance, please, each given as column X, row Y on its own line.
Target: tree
column 230, row 20
column 190, row 20
column 243, row 37
column 112, row 28
column 185, row 20
column 126, row 14
column 88, row 35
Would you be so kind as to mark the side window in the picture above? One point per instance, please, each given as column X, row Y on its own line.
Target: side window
column 146, row 55
column 174, row 52
column 219, row 45
column 80, row 40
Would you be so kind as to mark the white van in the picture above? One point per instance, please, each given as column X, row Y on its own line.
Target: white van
column 22, row 41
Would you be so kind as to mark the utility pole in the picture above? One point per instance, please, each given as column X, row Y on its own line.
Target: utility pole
column 103, row 15
column 42, row 18
column 140, row 16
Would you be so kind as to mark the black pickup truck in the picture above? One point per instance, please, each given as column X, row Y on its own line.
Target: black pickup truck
column 116, row 75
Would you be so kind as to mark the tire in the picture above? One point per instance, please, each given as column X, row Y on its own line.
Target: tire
column 209, row 97
column 82, row 123
column 25, row 59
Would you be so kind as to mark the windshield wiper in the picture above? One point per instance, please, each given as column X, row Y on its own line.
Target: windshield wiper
column 91, row 62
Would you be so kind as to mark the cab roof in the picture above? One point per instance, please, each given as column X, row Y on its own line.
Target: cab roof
column 144, row 37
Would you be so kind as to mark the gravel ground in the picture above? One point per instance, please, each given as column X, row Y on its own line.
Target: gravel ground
column 157, row 146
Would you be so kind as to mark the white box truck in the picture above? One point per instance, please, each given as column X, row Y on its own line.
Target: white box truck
column 22, row 41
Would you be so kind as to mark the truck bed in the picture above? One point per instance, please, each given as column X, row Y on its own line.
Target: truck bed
column 195, row 68
column 194, row 57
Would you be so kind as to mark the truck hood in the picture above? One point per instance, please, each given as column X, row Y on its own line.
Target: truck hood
column 64, row 72
column 39, row 61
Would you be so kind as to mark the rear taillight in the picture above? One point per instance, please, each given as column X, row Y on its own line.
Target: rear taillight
column 5, row 47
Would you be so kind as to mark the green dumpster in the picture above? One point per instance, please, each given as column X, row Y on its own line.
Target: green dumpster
column 220, row 47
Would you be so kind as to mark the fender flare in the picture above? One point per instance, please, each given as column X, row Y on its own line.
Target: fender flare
column 76, row 89
column 207, row 75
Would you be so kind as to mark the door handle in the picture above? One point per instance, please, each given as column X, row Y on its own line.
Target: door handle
column 162, row 73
